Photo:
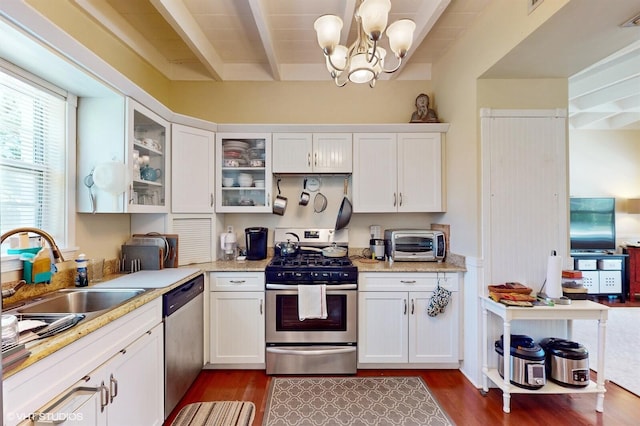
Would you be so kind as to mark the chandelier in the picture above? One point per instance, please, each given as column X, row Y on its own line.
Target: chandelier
column 364, row 60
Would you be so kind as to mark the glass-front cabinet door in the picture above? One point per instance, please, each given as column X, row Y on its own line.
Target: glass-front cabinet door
column 148, row 137
column 243, row 172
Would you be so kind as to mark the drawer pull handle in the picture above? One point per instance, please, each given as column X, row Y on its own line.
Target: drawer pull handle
column 408, row 281
column 104, row 396
column 237, row 281
column 113, row 385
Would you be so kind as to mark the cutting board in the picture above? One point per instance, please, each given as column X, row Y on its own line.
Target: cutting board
column 150, row 257
column 150, row 279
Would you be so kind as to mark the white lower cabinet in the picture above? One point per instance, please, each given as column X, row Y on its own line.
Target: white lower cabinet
column 132, row 383
column 393, row 325
column 112, row 376
column 127, row 389
column 236, row 320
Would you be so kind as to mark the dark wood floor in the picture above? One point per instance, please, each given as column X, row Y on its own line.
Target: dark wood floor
column 457, row 396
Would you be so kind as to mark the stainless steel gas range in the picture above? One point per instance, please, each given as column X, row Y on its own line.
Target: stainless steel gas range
column 317, row 344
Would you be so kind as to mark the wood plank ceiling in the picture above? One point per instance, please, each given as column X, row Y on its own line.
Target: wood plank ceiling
column 274, row 40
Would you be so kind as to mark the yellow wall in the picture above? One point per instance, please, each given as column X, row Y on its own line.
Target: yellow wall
column 101, row 235
column 605, row 163
column 455, row 90
column 77, row 24
column 297, row 102
column 500, row 27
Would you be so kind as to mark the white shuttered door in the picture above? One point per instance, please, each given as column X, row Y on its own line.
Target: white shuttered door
column 524, row 193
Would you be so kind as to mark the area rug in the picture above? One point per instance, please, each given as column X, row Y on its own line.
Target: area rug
column 622, row 345
column 216, row 413
column 352, row 401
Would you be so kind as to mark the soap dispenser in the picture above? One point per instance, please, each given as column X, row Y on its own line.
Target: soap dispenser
column 82, row 280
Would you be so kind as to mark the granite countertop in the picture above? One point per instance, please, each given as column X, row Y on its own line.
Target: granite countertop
column 42, row 348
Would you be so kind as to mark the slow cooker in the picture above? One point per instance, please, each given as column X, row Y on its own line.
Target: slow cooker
column 527, row 362
column 567, row 362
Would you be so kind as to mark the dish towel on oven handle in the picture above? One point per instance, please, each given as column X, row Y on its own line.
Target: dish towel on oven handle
column 312, row 301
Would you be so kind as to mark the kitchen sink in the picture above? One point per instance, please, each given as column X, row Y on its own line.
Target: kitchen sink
column 79, row 301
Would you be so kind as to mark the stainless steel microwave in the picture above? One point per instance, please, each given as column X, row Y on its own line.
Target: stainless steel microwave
column 414, row 245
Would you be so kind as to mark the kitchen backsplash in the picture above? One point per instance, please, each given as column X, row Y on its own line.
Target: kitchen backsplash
column 297, row 216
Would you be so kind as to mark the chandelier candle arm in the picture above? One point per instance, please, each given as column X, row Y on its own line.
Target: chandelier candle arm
column 363, row 61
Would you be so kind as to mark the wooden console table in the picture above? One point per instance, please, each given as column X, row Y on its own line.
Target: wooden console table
column 579, row 309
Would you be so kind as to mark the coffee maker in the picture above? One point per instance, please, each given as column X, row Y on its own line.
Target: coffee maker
column 256, row 241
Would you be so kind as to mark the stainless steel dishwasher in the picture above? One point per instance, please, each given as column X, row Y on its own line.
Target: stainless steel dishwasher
column 183, row 309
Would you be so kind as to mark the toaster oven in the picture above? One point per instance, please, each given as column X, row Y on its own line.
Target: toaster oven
column 414, row 245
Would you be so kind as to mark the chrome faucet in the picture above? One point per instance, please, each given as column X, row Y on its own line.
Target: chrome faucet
column 55, row 250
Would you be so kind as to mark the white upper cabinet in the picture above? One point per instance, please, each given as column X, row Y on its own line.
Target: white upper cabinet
column 397, row 172
column 148, row 148
column 118, row 129
column 312, row 153
column 243, row 173
column 192, row 169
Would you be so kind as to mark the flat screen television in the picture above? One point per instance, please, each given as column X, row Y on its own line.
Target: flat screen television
column 592, row 224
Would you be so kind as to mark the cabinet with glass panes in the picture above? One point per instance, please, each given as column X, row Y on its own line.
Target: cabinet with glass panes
column 243, row 172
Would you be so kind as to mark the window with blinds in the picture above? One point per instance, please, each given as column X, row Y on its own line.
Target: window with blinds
column 32, row 157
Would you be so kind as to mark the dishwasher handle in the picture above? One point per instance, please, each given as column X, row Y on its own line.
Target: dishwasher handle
column 181, row 295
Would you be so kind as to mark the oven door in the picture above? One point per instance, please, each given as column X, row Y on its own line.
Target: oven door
column 283, row 324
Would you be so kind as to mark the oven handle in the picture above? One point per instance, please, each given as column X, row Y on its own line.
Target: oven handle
column 316, row 352
column 329, row 287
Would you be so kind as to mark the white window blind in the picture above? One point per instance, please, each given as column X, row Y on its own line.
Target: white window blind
column 32, row 157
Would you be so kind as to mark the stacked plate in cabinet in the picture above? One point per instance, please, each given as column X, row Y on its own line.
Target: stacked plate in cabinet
column 235, row 153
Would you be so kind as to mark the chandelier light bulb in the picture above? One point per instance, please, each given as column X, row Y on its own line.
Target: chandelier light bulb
column 363, row 60
column 374, row 15
column 337, row 61
column 328, row 29
column 400, row 35
column 361, row 70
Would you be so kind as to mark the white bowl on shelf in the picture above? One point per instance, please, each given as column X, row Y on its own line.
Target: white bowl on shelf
column 259, row 183
column 227, row 181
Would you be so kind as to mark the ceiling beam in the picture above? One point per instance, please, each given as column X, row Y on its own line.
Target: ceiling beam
column 181, row 20
column 115, row 23
column 347, row 20
column 607, row 94
column 613, row 72
column 261, row 20
column 425, row 18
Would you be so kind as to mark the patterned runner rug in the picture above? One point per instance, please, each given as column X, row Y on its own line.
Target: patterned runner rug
column 216, row 413
column 352, row 401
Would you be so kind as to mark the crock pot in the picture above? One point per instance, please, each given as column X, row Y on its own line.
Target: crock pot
column 567, row 362
column 527, row 362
